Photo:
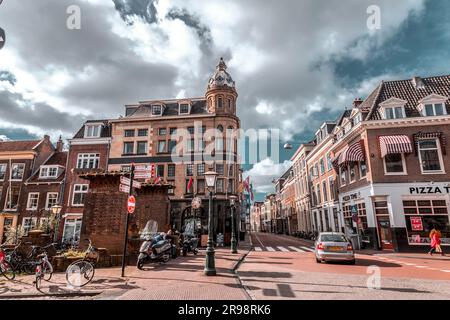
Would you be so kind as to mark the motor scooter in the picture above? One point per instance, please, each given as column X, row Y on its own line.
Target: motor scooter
column 155, row 249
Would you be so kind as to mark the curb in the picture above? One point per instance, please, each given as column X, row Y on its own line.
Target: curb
column 64, row 294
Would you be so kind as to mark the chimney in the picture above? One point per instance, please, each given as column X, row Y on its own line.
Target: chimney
column 47, row 137
column 418, row 82
column 357, row 102
column 59, row 145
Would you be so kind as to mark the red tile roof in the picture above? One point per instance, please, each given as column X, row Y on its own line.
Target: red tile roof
column 15, row 146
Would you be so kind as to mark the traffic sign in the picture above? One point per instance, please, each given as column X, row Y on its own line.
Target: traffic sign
column 126, row 181
column 131, row 204
column 124, row 188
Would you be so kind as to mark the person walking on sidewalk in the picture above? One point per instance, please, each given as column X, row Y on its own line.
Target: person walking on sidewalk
column 435, row 236
column 438, row 242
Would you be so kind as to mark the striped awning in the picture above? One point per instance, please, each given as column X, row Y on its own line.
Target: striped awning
column 395, row 145
column 431, row 135
column 353, row 153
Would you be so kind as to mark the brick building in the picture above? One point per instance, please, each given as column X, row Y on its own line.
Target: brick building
column 88, row 153
column 393, row 164
column 184, row 138
column 18, row 161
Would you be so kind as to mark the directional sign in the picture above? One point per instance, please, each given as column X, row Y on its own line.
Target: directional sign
column 124, row 188
column 144, row 171
column 126, row 181
column 131, row 204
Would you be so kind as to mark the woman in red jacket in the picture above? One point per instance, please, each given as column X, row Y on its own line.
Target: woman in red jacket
column 435, row 242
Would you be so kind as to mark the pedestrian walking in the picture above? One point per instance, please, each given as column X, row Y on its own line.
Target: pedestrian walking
column 438, row 242
column 432, row 242
column 435, row 237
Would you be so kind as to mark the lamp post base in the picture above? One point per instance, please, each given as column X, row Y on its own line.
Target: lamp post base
column 234, row 246
column 210, row 265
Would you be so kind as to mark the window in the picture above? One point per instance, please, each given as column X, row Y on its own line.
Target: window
column 190, row 145
column 393, row 164
column 322, row 166
column 128, row 147
column 17, row 171
column 72, row 230
column 325, row 191
column 92, row 131
column 429, row 156
column 201, row 186
column 172, row 145
column 219, row 144
column 191, row 130
column 219, row 102
column 231, row 170
column 142, row 132
column 352, row 172
column 79, row 192
column 394, row 113
column 436, row 109
column 189, row 170
column 329, row 163
column 161, row 146
column 29, row 224
column 12, row 198
column 201, row 129
column 125, row 168
column 172, row 131
column 156, row 110
column 48, row 172
column 230, row 188
column 129, row 133
column 333, row 191
column 319, row 197
column 33, row 201
column 220, row 185
column 200, row 169
column 184, row 108
column 188, row 190
column 171, row 170
column 52, row 200
column 316, row 169
column 142, row 147
column 343, row 176
column 160, row 170
column 362, row 169
column 201, row 145
column 2, row 172
column 230, row 104
column 220, row 169
column 88, row 160
column 162, row 131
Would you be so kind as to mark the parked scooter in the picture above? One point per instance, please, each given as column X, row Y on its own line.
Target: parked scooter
column 156, row 249
column 190, row 244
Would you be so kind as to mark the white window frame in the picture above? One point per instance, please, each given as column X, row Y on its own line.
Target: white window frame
column 156, row 106
column 94, row 126
column 404, row 173
column 441, row 160
column 88, row 156
column 340, row 177
column 184, row 103
column 349, row 174
column 25, row 223
column 360, row 171
column 6, row 208
column 5, row 166
column 48, row 198
column 29, row 200
column 80, row 191
column 331, row 181
column 393, row 112
column 322, row 164
column 46, row 173
column 433, row 104
column 11, row 170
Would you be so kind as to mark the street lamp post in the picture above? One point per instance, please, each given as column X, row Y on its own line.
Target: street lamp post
column 210, row 265
column 233, row 230
column 56, row 210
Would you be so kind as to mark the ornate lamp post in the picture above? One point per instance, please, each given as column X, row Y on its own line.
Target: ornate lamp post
column 210, row 265
column 56, row 210
column 233, row 230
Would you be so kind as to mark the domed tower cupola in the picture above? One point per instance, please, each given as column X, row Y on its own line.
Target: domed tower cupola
column 221, row 94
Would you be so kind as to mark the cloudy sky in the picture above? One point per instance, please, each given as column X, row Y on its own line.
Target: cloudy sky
column 296, row 63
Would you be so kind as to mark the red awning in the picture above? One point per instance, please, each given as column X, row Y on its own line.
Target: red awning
column 395, row 145
column 353, row 153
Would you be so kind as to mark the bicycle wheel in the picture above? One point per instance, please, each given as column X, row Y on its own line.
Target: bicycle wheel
column 38, row 276
column 7, row 270
column 80, row 273
column 47, row 270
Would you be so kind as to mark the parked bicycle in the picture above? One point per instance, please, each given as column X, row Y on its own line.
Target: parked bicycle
column 6, row 268
column 79, row 273
column 28, row 264
column 42, row 270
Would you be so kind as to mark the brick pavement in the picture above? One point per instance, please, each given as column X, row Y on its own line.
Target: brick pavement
column 179, row 279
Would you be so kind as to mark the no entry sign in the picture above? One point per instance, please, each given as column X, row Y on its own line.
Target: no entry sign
column 131, row 204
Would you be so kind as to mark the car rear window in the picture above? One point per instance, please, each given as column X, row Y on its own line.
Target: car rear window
column 333, row 238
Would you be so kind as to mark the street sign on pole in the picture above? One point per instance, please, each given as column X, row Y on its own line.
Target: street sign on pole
column 131, row 204
column 124, row 188
column 126, row 181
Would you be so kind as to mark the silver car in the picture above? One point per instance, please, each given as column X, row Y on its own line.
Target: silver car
column 334, row 246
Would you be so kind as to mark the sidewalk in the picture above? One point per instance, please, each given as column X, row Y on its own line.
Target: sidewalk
column 179, row 279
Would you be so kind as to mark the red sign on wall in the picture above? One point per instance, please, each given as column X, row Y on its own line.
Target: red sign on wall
column 131, row 204
column 416, row 224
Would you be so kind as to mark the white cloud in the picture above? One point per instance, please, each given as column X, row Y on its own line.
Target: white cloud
column 263, row 173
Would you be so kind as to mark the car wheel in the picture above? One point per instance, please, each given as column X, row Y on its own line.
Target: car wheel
column 318, row 260
column 352, row 262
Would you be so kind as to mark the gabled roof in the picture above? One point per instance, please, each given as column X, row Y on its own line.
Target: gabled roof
column 56, row 159
column 406, row 90
column 105, row 133
column 18, row 146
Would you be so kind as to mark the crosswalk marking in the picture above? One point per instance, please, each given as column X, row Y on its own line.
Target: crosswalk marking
column 258, row 249
column 307, row 249
column 295, row 249
column 270, row 249
column 283, row 249
column 445, row 270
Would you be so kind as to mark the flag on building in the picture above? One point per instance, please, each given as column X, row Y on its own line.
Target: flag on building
column 157, row 180
column 246, row 183
column 191, row 181
column 252, row 197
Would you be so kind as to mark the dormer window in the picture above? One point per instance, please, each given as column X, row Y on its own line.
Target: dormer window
column 433, row 105
column 92, row 130
column 48, row 172
column 394, row 113
column 393, row 108
column 184, row 108
column 157, row 110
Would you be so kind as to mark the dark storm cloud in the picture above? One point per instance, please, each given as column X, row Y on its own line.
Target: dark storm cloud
column 144, row 9
column 35, row 114
column 8, row 77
